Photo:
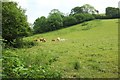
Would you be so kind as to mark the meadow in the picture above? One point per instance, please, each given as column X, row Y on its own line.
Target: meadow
column 89, row 51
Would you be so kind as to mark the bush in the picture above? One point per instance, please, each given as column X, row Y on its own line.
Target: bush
column 101, row 16
column 14, row 67
column 19, row 43
column 24, row 44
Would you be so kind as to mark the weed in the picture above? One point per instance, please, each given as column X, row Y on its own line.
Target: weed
column 76, row 65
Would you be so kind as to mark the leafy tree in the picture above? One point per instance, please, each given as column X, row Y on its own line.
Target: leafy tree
column 69, row 20
column 40, row 25
column 14, row 22
column 54, row 21
column 56, row 11
column 112, row 12
column 83, row 17
column 84, row 9
column 76, row 10
column 79, row 17
column 89, row 9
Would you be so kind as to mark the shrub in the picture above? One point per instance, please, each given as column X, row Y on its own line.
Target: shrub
column 14, row 67
column 19, row 43
column 100, row 16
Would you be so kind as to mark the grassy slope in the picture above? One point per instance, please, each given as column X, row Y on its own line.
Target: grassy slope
column 94, row 50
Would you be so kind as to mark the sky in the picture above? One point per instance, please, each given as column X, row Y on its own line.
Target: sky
column 38, row 8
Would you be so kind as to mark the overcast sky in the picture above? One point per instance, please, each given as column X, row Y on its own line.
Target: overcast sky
column 38, row 8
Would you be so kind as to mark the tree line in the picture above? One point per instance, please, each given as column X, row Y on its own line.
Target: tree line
column 57, row 20
column 15, row 25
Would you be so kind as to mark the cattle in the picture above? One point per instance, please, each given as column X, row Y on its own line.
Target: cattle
column 40, row 39
column 58, row 39
column 53, row 40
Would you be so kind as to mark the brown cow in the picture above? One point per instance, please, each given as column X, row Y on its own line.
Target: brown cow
column 42, row 40
column 53, row 40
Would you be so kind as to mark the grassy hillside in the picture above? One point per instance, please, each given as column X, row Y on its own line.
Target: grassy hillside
column 90, row 51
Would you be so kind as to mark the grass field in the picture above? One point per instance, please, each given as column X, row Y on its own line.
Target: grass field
column 90, row 51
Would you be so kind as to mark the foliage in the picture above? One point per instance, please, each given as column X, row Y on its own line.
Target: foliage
column 112, row 12
column 83, row 17
column 84, row 9
column 100, row 16
column 76, row 10
column 56, row 11
column 57, row 20
column 14, row 67
column 14, row 22
column 40, row 25
column 69, row 20
column 19, row 43
column 54, row 21
column 88, row 9
column 24, row 44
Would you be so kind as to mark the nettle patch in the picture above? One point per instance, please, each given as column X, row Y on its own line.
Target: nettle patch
column 13, row 67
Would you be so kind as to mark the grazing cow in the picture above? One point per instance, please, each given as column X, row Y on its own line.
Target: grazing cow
column 62, row 39
column 42, row 40
column 59, row 39
column 53, row 40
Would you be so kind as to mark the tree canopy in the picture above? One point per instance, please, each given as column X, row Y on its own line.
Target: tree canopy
column 40, row 25
column 55, row 21
column 113, row 12
column 84, row 9
column 14, row 22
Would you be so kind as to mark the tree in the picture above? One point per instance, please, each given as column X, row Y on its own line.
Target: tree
column 56, row 11
column 40, row 25
column 84, row 9
column 14, row 22
column 112, row 12
column 54, row 21
column 79, row 17
column 69, row 21
column 89, row 9
column 76, row 10
column 83, row 17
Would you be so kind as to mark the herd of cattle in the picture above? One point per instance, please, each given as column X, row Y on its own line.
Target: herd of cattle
column 44, row 40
